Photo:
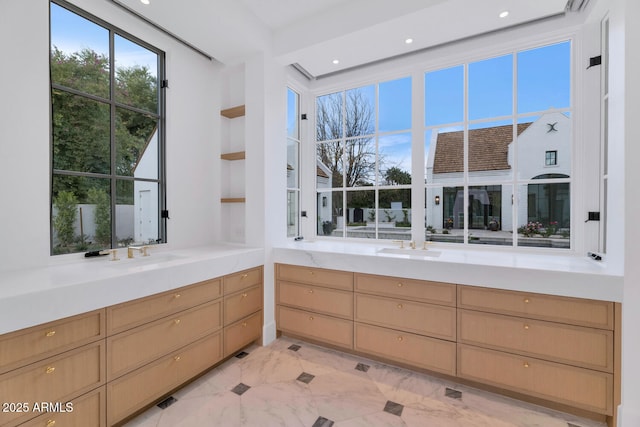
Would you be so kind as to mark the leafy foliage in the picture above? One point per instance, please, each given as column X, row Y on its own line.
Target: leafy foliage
column 63, row 223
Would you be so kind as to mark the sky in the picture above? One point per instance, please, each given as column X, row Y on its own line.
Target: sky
column 71, row 33
column 542, row 82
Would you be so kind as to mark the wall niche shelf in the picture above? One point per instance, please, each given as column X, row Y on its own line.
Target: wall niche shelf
column 238, row 155
column 233, row 112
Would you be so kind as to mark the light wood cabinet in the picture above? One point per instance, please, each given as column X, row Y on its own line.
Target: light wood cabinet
column 88, row 410
column 574, row 345
column 315, row 303
column 411, row 289
column 242, row 333
column 243, row 302
column 57, row 379
column 407, row 348
column 581, row 388
column 425, row 319
column 125, row 316
column 39, row 342
column 574, row 311
column 129, row 393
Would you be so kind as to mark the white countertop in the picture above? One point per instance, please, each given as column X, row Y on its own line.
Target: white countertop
column 75, row 285
column 547, row 273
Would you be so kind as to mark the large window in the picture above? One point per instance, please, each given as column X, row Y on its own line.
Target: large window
column 494, row 131
column 363, row 161
column 497, row 150
column 107, row 135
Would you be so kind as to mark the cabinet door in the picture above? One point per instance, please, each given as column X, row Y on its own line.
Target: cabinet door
column 241, row 333
column 57, row 379
column 314, row 298
column 574, row 311
column 415, row 350
column 574, row 345
column 578, row 387
column 425, row 319
column 39, row 342
column 242, row 280
column 88, row 410
column 315, row 276
column 132, row 349
column 319, row 327
column 242, row 304
column 415, row 290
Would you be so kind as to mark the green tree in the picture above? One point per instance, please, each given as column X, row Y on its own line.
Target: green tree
column 396, row 176
column 102, row 215
column 65, row 218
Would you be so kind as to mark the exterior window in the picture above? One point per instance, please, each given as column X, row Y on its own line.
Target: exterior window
column 107, row 135
column 363, row 161
column 293, row 163
column 485, row 183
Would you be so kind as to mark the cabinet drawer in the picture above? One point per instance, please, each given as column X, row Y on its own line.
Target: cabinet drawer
column 144, row 386
column 39, row 342
column 133, row 313
column 574, row 345
column 242, row 333
column 327, row 329
column 415, row 290
column 57, row 379
column 575, row 311
column 416, row 350
column 89, row 410
column 242, row 280
column 578, row 387
column 425, row 319
column 132, row 349
column 242, row 304
column 316, row 276
column 314, row 298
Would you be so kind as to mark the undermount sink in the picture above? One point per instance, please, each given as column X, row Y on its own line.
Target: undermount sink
column 413, row 253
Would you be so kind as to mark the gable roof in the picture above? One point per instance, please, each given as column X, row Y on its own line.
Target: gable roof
column 488, row 149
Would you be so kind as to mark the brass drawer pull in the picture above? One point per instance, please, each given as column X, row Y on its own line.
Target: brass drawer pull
column 526, row 327
column 527, row 300
column 526, row 364
column 400, row 339
column 399, row 306
column 50, row 333
column 50, row 370
column 176, row 321
column 311, row 272
column 244, row 324
column 176, row 296
column 177, row 358
column 244, row 276
column 310, row 291
column 244, row 295
column 310, row 317
column 399, row 284
column 50, row 423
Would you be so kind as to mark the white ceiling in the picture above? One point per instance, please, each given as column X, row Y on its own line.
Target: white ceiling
column 312, row 33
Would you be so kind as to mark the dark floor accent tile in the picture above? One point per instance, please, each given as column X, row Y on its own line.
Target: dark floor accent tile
column 393, row 408
column 362, row 367
column 167, row 402
column 323, row 422
column 305, row 377
column 294, row 347
column 454, row 394
column 242, row 354
column 240, row 388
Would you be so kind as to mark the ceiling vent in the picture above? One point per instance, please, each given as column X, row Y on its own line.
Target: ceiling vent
column 576, row 5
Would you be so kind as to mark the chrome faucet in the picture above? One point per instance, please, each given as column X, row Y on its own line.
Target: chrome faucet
column 142, row 249
column 412, row 244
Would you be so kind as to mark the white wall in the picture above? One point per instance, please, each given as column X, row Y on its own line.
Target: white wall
column 192, row 101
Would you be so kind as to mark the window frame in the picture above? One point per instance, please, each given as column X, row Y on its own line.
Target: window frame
column 461, row 54
column 297, row 141
column 111, row 101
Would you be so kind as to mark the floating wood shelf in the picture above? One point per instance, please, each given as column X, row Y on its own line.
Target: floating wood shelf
column 233, row 112
column 239, row 155
column 232, row 200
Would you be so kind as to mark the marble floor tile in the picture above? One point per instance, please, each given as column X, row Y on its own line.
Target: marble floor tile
column 309, row 385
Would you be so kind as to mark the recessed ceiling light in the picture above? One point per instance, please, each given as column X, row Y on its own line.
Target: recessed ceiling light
column 335, row 61
column 504, row 14
column 408, row 41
